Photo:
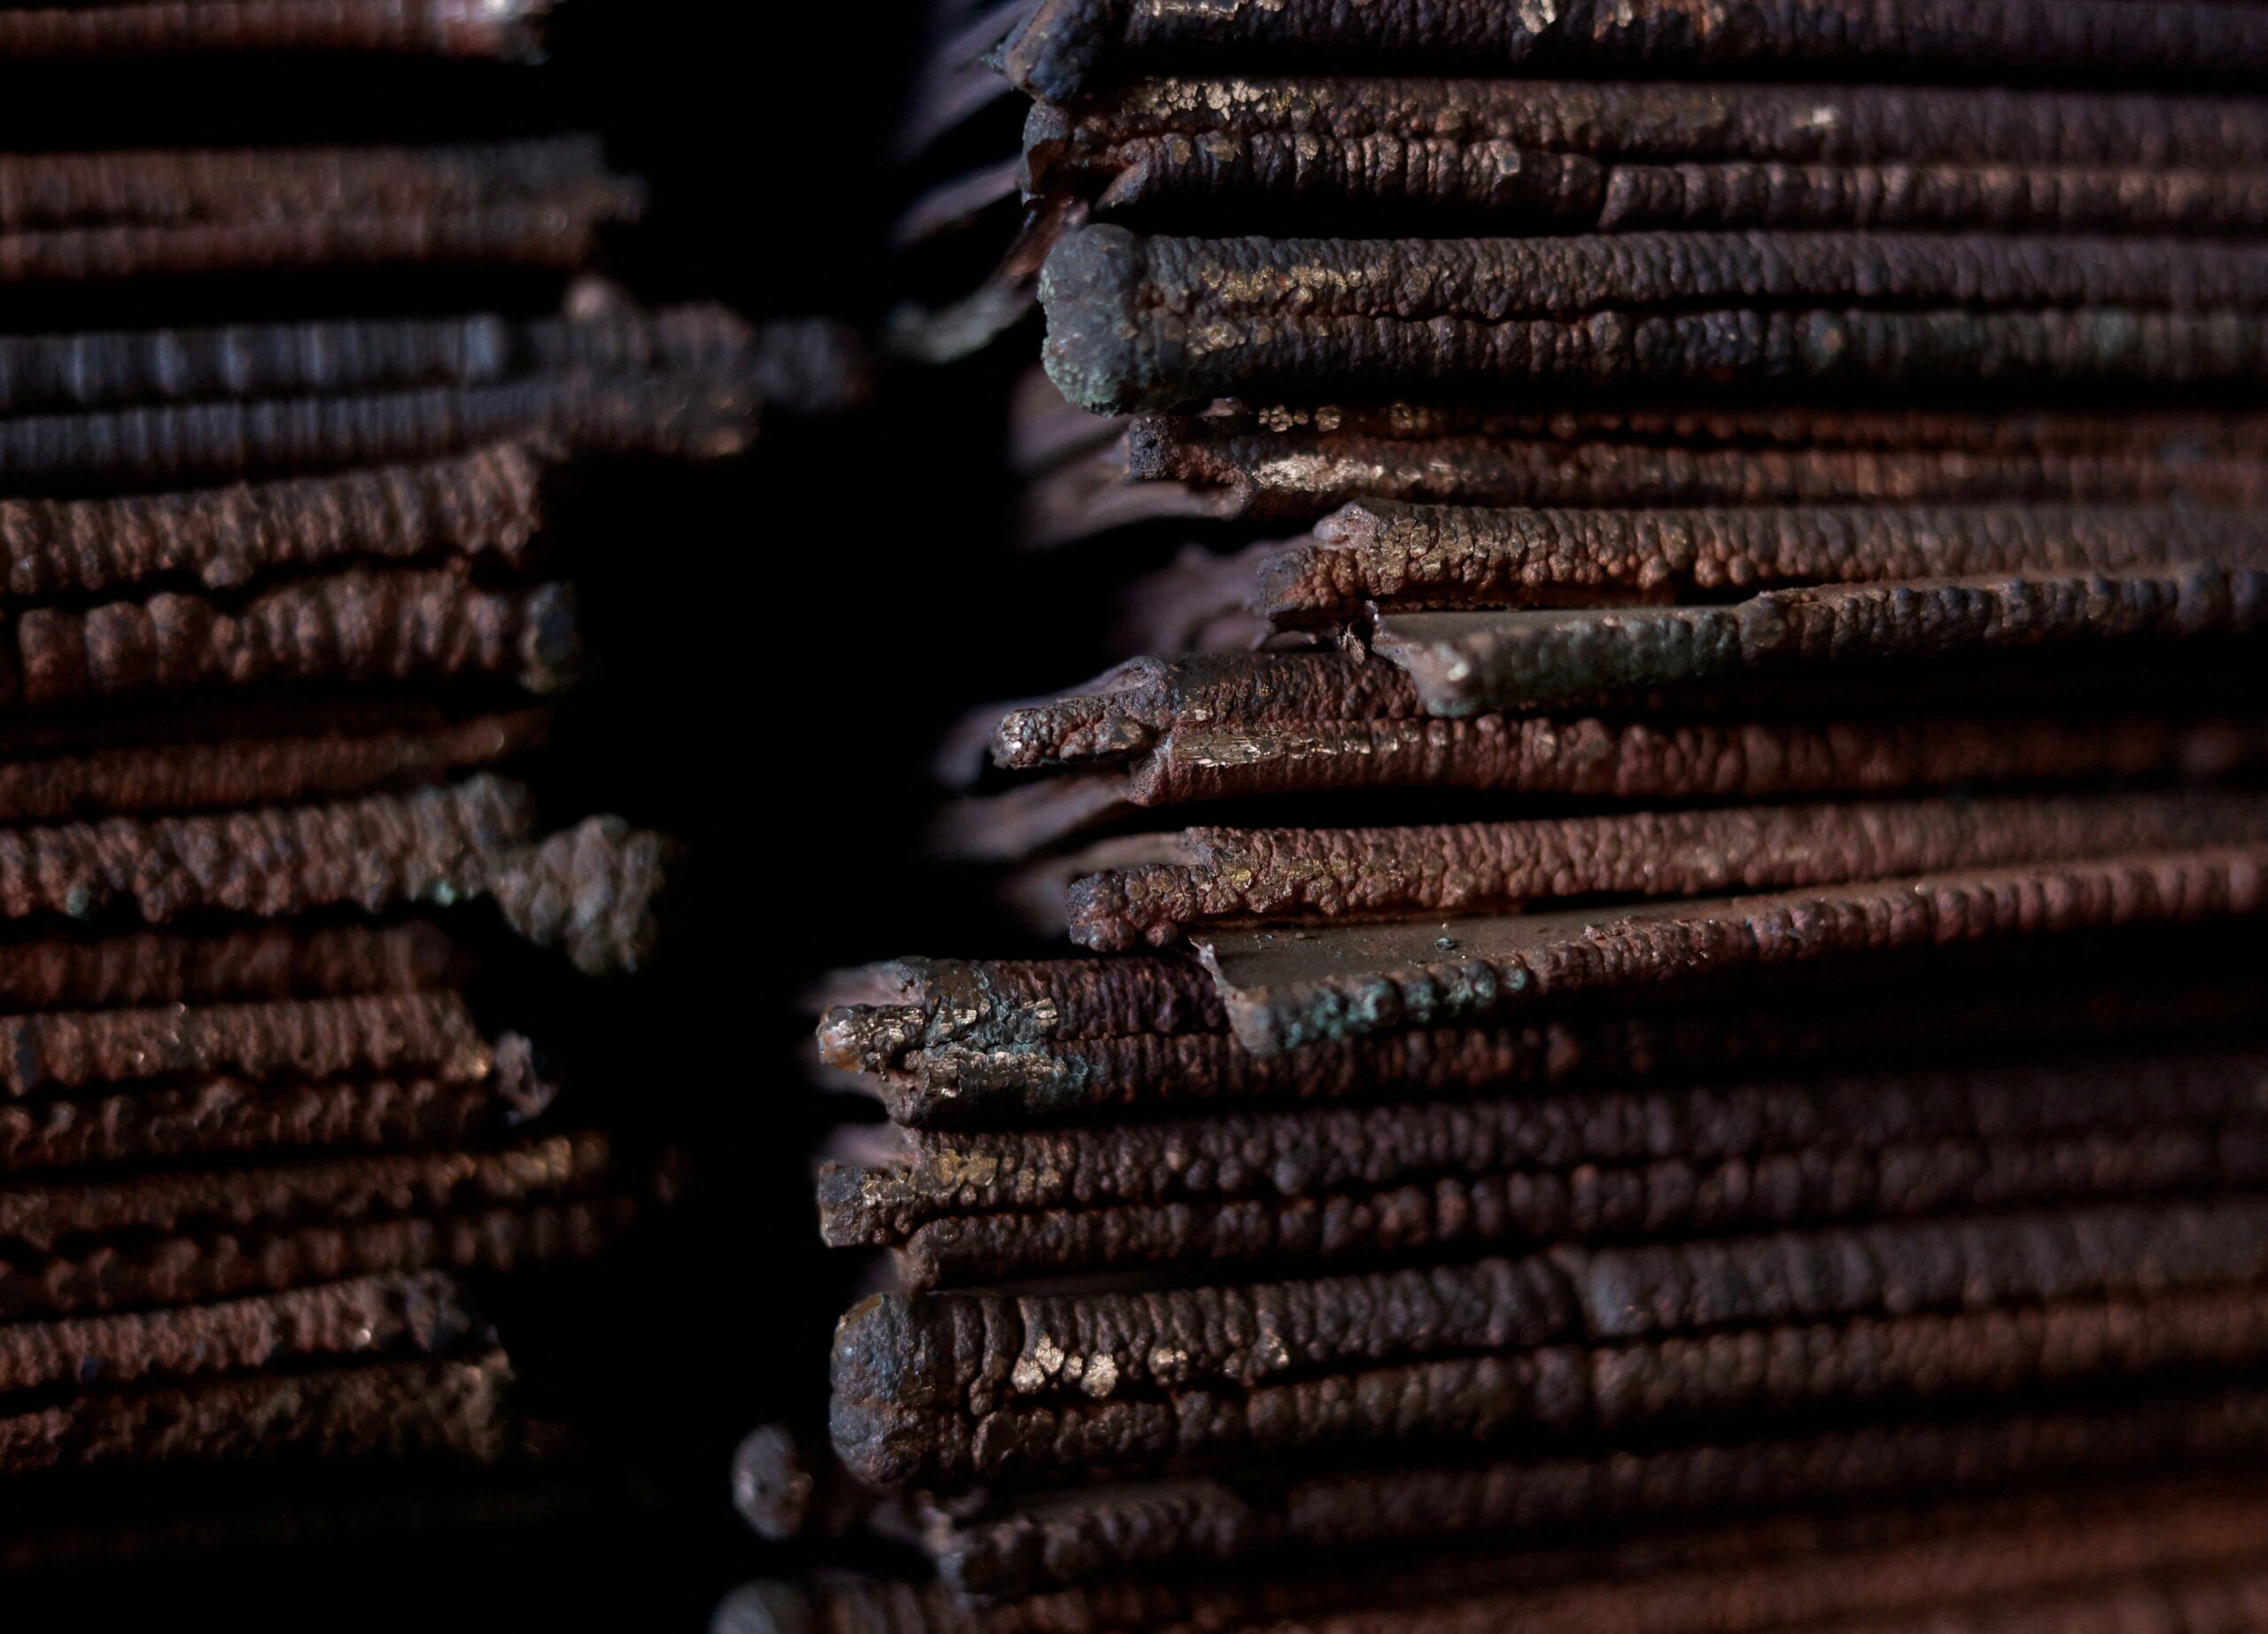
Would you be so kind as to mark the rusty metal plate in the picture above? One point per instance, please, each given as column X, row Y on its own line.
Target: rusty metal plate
column 1156, row 322
column 1066, row 46
column 1286, row 988
column 368, row 1317
column 1009, row 1550
column 974, row 1387
column 2058, row 1559
column 1630, row 156
column 1282, row 464
column 982, row 1082
column 454, row 1410
column 1467, row 664
column 1241, row 876
column 1431, row 557
column 125, row 217
column 1271, row 1187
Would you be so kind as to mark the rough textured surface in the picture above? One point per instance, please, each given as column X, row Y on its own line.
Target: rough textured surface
column 1731, row 1578
column 295, row 1039
column 1820, row 123
column 235, row 771
column 975, row 1386
column 445, row 1409
column 1157, row 322
column 1247, row 876
column 164, row 187
column 1418, row 557
column 955, row 1086
column 1462, row 1213
column 380, row 851
column 1285, row 990
column 1316, row 1151
column 1297, row 463
column 46, row 1217
column 229, row 1116
column 998, row 1005
column 1064, row 46
column 1012, row 1551
column 1603, row 1163
column 230, row 1265
column 1140, row 748
column 270, row 961
column 1472, row 663
column 369, row 1317
column 590, row 889
column 353, row 628
column 126, row 216
column 484, row 504
column 340, row 357
column 673, row 416
column 1637, row 155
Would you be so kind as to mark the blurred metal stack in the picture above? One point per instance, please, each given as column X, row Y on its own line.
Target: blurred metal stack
column 293, row 425
column 1706, row 1068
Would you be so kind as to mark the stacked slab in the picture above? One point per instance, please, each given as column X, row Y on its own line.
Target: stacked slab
column 287, row 431
column 1703, row 1068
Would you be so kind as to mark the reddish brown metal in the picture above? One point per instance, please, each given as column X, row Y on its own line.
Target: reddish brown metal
column 558, row 235
column 1480, row 1211
column 267, row 961
column 886, row 1010
column 170, row 187
column 286, row 1041
column 1235, row 876
column 1420, row 557
column 383, row 851
column 1598, row 759
column 1009, row 1550
column 1472, row 663
column 484, row 504
column 981, row 1082
column 1733, row 1577
column 2228, row 1597
column 1662, row 122
column 122, row 216
column 590, row 889
column 225, row 1117
column 1637, row 155
column 1063, row 47
column 235, row 771
column 969, row 1387
column 225, row 1264
column 354, row 626
column 1315, row 1152
column 1318, row 1184
column 1237, row 709
column 49, row 1217
column 425, row 1313
column 1297, row 464
column 116, row 30
column 451, row 1411
column 1152, row 733
column 1159, row 322
column 1294, row 987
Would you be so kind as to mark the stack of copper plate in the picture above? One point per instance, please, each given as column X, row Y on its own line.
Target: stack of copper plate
column 1703, row 1066
column 287, row 438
